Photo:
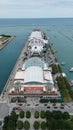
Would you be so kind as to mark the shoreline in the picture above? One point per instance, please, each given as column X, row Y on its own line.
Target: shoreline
column 6, row 42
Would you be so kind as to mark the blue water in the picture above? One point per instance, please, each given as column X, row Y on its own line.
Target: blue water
column 59, row 32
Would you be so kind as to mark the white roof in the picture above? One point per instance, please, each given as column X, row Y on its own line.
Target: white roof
column 1, row 36
column 0, row 42
column 36, row 34
column 11, row 90
column 35, row 41
column 33, row 74
column 48, row 76
column 45, row 41
column 63, row 74
column 19, row 75
column 22, row 89
column 36, row 48
column 45, row 66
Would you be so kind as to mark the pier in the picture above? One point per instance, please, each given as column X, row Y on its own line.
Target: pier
column 32, row 58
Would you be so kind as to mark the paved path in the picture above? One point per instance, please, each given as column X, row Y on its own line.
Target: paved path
column 4, row 110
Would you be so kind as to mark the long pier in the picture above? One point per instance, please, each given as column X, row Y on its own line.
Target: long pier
column 38, row 42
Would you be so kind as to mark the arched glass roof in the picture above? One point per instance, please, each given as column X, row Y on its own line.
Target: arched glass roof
column 34, row 61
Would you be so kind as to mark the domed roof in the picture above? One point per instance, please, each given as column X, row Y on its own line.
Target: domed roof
column 34, row 74
column 34, row 61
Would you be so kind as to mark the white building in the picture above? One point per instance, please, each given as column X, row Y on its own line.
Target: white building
column 36, row 43
column 35, row 74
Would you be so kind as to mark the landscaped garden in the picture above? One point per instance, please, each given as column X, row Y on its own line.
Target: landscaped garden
column 43, row 120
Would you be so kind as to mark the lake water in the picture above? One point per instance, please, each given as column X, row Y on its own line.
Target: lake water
column 59, row 32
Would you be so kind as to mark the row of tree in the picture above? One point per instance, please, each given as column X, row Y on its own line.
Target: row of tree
column 53, row 100
column 56, row 69
column 68, row 87
column 13, row 121
column 26, row 125
column 21, row 125
column 64, row 88
column 22, row 114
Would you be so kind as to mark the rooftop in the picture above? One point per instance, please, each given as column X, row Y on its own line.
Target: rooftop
column 34, row 61
column 34, row 74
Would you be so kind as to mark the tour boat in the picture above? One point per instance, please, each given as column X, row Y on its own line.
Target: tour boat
column 63, row 63
column 71, row 70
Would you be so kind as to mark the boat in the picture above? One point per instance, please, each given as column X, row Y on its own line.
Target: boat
column 63, row 74
column 62, row 63
column 71, row 69
column 71, row 82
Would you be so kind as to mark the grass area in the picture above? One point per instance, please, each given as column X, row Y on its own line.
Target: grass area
column 64, row 88
column 4, row 37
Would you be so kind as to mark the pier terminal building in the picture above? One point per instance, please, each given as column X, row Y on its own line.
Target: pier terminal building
column 34, row 77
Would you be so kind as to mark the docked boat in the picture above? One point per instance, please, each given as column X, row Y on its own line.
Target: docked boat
column 62, row 63
column 71, row 82
column 71, row 70
column 63, row 74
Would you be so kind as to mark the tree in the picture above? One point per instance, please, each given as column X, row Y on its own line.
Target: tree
column 43, row 100
column 21, row 114
column 66, row 115
column 43, row 125
column 19, row 124
column 6, row 119
column 10, row 122
column 36, row 125
column 26, row 125
column 36, row 114
column 11, row 125
column 14, row 116
column 42, row 114
column 28, row 114
column 48, row 114
column 57, row 115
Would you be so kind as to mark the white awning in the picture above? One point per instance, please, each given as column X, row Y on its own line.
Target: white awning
column 19, row 75
column 36, row 34
column 48, row 76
